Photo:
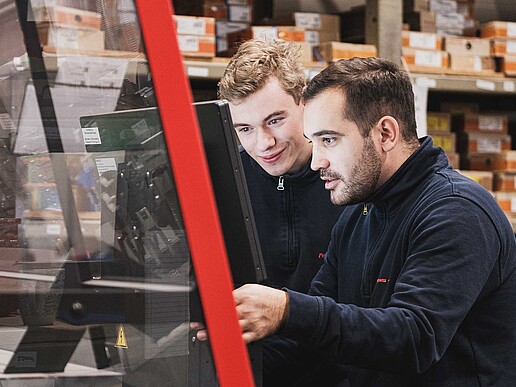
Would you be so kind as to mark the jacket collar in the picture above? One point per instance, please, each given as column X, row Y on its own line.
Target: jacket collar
column 305, row 175
column 424, row 161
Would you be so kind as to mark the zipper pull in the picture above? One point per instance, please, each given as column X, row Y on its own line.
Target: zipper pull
column 364, row 212
column 280, row 186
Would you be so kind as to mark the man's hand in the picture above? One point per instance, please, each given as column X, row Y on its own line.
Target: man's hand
column 261, row 310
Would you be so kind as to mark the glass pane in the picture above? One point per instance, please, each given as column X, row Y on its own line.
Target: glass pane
column 96, row 282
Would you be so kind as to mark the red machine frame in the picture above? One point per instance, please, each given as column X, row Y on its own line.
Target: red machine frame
column 195, row 192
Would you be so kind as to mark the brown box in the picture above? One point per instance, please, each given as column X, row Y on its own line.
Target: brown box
column 472, row 63
column 288, row 33
column 415, row 5
column 425, row 60
column 444, row 140
column 70, row 37
column 438, row 122
column 240, row 13
column 423, row 21
column 504, row 181
column 483, row 142
column 197, row 45
column 484, row 178
column 498, row 29
column 501, row 46
column 508, row 65
column 463, row 45
column 194, row 25
column 421, row 40
column 292, row 34
column 459, row 107
column 215, row 9
column 68, row 16
column 327, row 26
column 474, row 122
column 330, row 51
column 505, row 161
column 506, row 200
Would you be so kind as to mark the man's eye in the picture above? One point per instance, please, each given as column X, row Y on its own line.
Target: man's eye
column 274, row 121
column 328, row 140
column 244, row 129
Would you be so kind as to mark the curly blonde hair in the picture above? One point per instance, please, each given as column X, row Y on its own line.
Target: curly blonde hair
column 255, row 62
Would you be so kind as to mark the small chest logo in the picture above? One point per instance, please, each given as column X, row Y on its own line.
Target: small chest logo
column 382, row 280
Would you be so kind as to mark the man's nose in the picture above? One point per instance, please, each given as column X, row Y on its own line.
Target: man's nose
column 265, row 139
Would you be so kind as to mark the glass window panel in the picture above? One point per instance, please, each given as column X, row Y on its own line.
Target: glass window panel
column 96, row 282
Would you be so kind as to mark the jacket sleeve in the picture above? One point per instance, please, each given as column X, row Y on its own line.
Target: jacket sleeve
column 453, row 247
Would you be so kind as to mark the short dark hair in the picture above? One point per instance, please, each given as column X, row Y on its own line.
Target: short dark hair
column 373, row 88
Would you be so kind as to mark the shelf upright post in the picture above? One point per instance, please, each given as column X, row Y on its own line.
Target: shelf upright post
column 383, row 27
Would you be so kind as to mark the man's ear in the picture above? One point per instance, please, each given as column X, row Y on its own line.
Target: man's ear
column 389, row 132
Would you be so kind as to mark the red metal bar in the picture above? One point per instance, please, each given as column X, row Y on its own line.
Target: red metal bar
column 193, row 183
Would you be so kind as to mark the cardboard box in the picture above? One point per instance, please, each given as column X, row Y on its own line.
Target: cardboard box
column 438, row 122
column 484, row 178
column 423, row 21
column 445, row 141
column 68, row 16
column 508, row 65
column 505, row 161
column 215, row 10
column 504, row 181
column 498, row 29
column 454, row 107
column 472, row 63
column 197, row 46
column 506, row 200
column 501, row 47
column 455, row 24
column 240, row 13
column 425, row 60
column 486, row 123
column 415, row 5
column 421, row 40
column 194, row 25
column 66, row 37
column 461, row 45
column 483, row 142
column 288, row 33
column 230, row 35
column 331, row 51
column 327, row 26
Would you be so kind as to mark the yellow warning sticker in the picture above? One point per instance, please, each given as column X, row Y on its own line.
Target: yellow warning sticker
column 121, row 342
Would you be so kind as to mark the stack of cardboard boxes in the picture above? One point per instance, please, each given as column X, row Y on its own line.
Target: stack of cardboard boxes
column 463, row 53
column 231, row 19
column 445, row 17
column 502, row 38
column 310, row 30
column 196, row 35
column 469, row 56
column 438, row 125
column 422, row 52
column 69, row 29
column 504, row 185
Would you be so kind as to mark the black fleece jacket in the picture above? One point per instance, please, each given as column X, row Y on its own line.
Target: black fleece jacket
column 420, row 289
column 294, row 224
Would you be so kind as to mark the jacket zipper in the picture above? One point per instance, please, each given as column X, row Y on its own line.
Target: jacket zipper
column 280, row 186
column 365, row 211
column 290, row 225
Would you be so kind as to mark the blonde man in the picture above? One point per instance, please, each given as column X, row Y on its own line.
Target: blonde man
column 263, row 83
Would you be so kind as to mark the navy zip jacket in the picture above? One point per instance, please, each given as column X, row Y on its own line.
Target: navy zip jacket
column 418, row 287
column 294, row 223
